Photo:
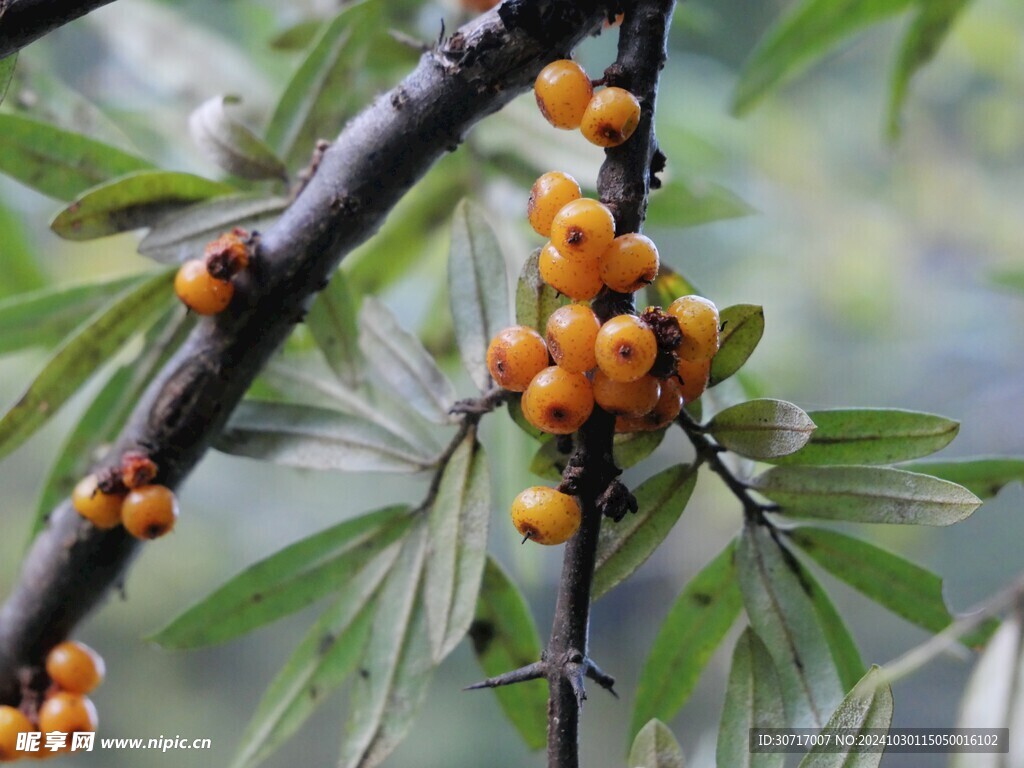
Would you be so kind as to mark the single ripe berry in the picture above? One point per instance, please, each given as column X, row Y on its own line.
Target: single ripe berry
column 693, row 378
column 630, row 263
column 75, row 667
column 515, row 356
column 611, row 117
column 698, row 320
column 628, row 398
column 558, row 401
column 68, row 713
column 571, row 333
column 546, row 515
column 665, row 411
column 583, row 229
column 200, row 291
column 101, row 509
column 548, row 195
column 149, row 512
column 563, row 93
column 579, row 279
column 625, row 348
column 12, row 722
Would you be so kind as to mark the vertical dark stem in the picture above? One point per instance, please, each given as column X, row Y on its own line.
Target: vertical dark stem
column 624, row 183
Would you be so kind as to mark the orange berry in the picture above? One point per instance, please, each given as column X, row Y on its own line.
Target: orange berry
column 629, row 398
column 558, row 401
column 611, row 117
column 101, row 509
column 630, row 263
column 479, row 6
column 200, row 291
column 75, row 667
column 563, row 92
column 665, row 411
column 548, row 195
column 698, row 320
column 12, row 722
column 579, row 279
column 693, row 378
column 228, row 254
column 149, row 512
column 571, row 333
column 545, row 515
column 68, row 713
column 583, row 229
column 515, row 355
column 625, row 348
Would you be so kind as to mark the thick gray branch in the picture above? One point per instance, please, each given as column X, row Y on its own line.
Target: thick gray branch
column 25, row 21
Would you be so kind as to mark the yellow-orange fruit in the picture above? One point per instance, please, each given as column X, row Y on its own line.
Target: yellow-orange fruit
column 611, row 117
column 625, row 348
column 479, row 6
column 563, row 93
column 583, row 229
column 75, row 667
column 699, row 321
column 665, row 411
column 101, row 509
column 515, row 355
column 548, row 195
column 545, row 515
column 200, row 291
column 558, row 401
column 571, row 332
column 68, row 713
column 579, row 279
column 12, row 722
column 149, row 512
column 629, row 263
column 693, row 378
column 628, row 398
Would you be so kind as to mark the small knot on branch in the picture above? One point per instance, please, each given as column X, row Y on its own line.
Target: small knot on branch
column 616, row 500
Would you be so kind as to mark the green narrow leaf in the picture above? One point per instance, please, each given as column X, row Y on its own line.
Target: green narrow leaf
column 630, row 448
column 668, row 286
column 505, row 638
column 868, row 706
column 43, row 318
column 298, row 36
column 332, row 322
column 688, row 203
column 397, row 666
column 932, row 23
column 625, row 546
column 753, row 699
column 457, row 546
column 535, row 299
column 286, row 581
column 477, row 288
column 695, row 626
column 80, row 356
column 403, row 363
column 762, row 429
column 7, row 65
column 866, row 495
column 984, row 477
column 781, row 611
column 327, row 655
column 802, row 36
column 230, row 144
column 1009, row 278
column 129, row 202
column 307, row 437
column 515, row 411
column 655, row 747
column 845, row 654
column 182, row 235
column 21, row 273
column 872, row 436
column 742, row 328
column 56, row 162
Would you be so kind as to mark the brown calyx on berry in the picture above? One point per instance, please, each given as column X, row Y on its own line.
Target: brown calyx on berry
column 110, row 481
column 229, row 254
column 616, row 501
column 668, row 337
column 137, row 469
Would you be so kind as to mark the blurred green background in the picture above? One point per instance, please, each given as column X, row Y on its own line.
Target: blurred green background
column 874, row 263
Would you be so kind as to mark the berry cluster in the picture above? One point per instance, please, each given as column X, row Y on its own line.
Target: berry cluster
column 204, row 285
column 565, row 95
column 75, row 670
column 126, row 496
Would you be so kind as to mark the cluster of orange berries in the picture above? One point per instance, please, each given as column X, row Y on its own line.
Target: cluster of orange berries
column 75, row 670
column 204, row 285
column 566, row 97
column 127, row 497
